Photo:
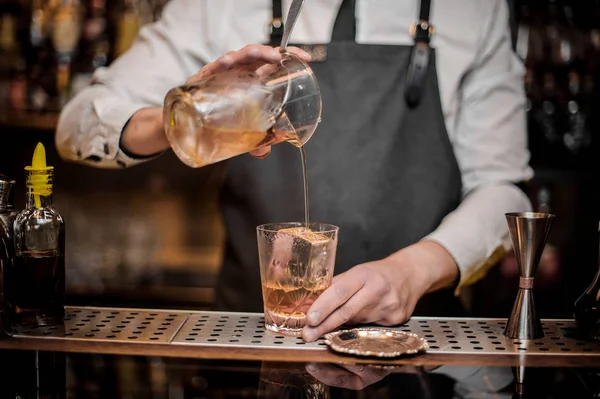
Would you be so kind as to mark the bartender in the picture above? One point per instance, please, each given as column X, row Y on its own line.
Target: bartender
column 419, row 154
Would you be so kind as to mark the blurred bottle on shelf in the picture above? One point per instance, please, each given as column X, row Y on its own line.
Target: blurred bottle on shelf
column 94, row 46
column 49, row 49
column 558, row 41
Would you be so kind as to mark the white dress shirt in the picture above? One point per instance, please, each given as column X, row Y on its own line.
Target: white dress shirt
column 480, row 81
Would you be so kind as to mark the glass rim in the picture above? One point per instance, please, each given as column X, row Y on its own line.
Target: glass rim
column 275, row 227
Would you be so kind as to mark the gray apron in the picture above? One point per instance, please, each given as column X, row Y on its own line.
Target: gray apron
column 380, row 165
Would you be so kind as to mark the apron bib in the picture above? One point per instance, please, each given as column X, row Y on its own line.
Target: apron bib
column 380, row 165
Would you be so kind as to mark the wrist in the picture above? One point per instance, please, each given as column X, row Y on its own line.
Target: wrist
column 144, row 134
column 431, row 265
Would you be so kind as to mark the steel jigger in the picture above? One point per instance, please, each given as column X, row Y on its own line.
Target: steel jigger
column 529, row 232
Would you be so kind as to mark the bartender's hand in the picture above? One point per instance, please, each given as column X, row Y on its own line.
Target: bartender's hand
column 251, row 56
column 144, row 134
column 346, row 376
column 384, row 292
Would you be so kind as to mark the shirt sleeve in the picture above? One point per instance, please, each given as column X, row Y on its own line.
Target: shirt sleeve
column 163, row 56
column 490, row 144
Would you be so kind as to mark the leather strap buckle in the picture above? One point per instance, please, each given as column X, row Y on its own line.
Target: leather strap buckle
column 422, row 31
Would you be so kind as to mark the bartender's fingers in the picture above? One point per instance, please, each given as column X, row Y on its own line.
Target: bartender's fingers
column 261, row 153
column 251, row 56
column 343, row 314
column 346, row 376
column 341, row 290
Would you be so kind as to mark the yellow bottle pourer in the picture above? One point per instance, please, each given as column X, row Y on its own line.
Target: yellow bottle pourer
column 39, row 179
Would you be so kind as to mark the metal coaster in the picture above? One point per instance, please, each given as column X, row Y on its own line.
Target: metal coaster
column 376, row 342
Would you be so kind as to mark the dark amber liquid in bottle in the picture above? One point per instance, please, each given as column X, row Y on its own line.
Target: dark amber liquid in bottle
column 37, row 288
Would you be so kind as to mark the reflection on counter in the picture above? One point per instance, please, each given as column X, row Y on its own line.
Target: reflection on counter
column 59, row 376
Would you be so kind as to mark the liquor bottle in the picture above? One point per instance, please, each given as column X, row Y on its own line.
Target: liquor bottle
column 35, row 284
column 587, row 309
column 127, row 21
column 66, row 24
column 7, row 217
column 94, row 46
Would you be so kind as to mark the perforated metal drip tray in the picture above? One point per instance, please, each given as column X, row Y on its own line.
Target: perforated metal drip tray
column 246, row 330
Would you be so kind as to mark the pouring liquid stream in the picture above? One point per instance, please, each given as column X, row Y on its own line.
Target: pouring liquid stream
column 305, row 181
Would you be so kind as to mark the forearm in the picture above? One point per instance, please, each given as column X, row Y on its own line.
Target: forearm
column 475, row 235
column 144, row 134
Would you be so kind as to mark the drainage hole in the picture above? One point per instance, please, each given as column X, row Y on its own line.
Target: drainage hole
column 522, row 349
column 475, row 342
column 116, row 331
column 120, row 326
column 211, row 340
column 47, row 333
column 100, row 325
column 110, row 317
column 193, row 334
column 432, row 341
column 134, row 313
column 162, row 328
column 169, row 319
column 543, row 349
column 219, row 325
column 154, row 338
column 429, row 336
column 152, row 314
column 560, row 344
column 238, row 330
column 257, row 336
column 453, row 342
column 111, row 336
column 496, row 342
column 205, row 317
column 77, row 311
column 214, row 335
column 132, row 337
column 89, row 335
column 565, row 349
column 196, row 329
column 491, row 336
column 300, row 343
column 72, row 329
column 456, row 347
column 80, row 324
column 141, row 327
column 217, row 329
column 478, row 348
column 131, row 317
column 158, row 333
column 199, row 324
column 499, row 348
column 450, row 336
column 95, row 330
column 67, row 334
column 234, row 340
column 136, row 332
column 86, row 320
column 240, row 326
column 434, row 347
column 190, row 339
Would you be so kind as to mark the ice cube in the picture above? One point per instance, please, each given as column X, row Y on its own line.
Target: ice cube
column 304, row 255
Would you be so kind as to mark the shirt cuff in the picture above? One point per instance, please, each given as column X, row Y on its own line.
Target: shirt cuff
column 476, row 234
column 115, row 115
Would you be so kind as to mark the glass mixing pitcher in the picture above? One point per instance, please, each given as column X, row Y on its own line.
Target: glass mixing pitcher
column 240, row 110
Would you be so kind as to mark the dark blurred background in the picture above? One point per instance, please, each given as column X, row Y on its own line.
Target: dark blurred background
column 151, row 235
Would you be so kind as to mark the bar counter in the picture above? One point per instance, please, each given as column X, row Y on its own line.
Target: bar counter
column 231, row 348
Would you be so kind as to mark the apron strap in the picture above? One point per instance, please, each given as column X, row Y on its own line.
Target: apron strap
column 421, row 31
column 276, row 25
column 344, row 28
